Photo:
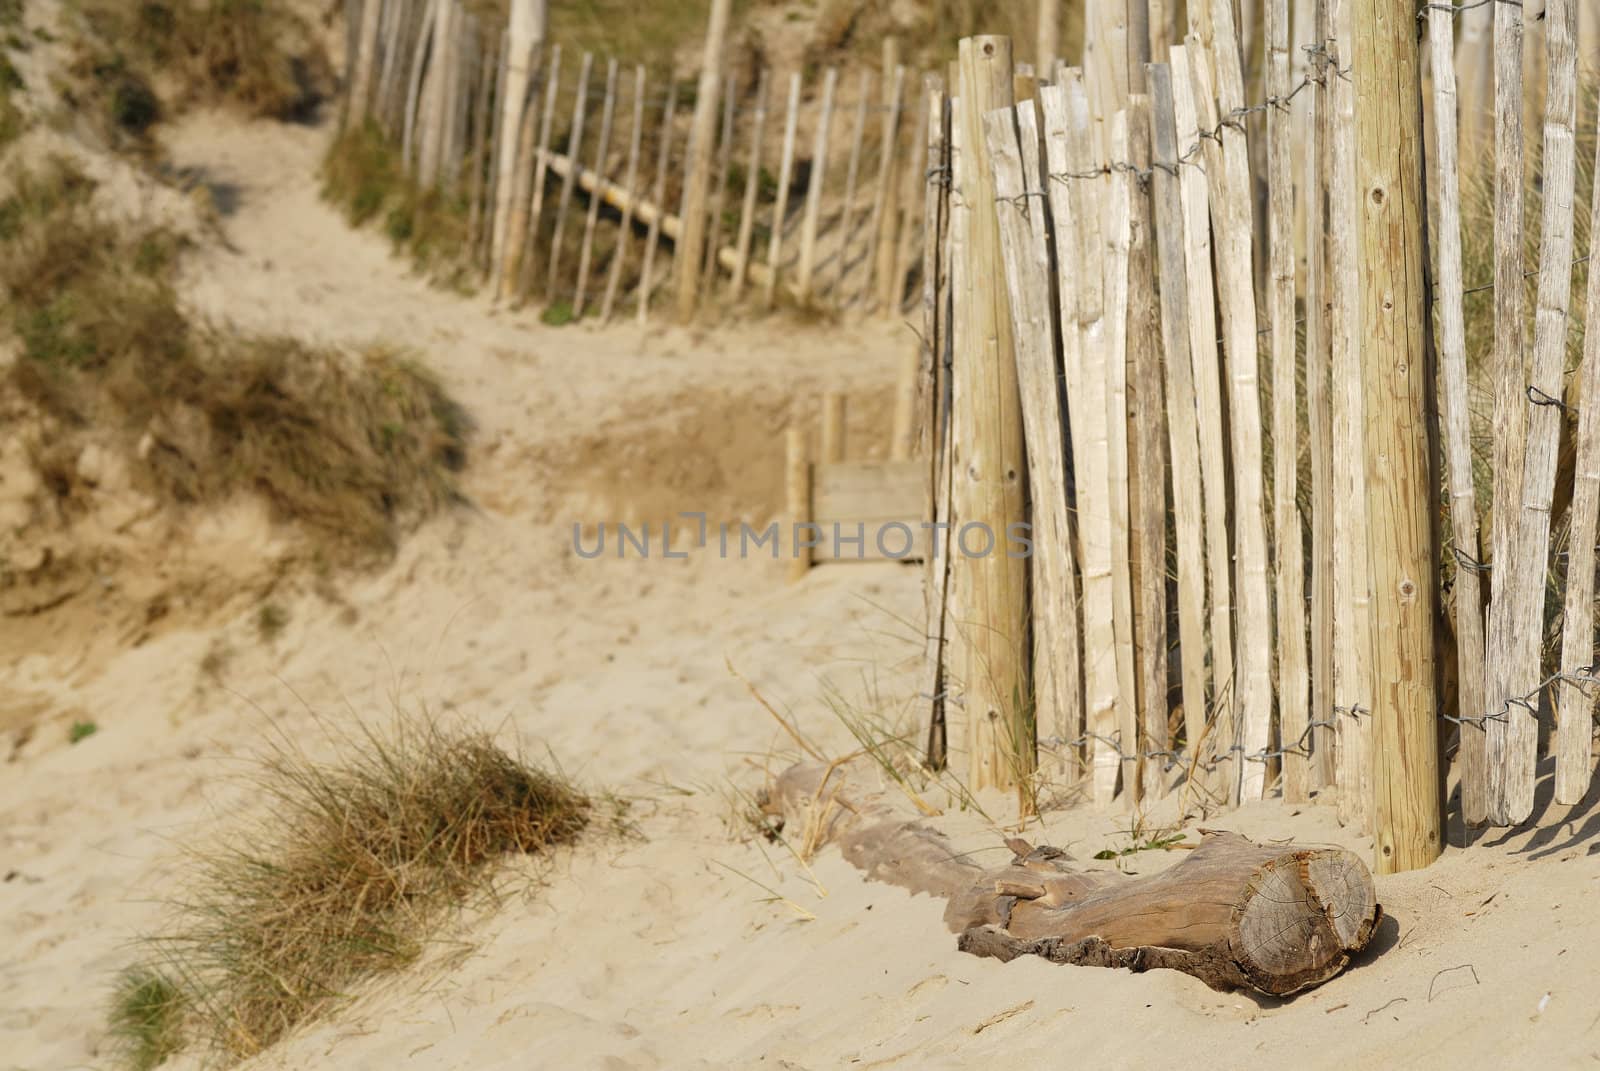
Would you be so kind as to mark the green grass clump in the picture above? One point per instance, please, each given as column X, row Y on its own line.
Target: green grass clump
column 81, row 730
column 363, row 175
column 353, row 451
column 146, row 1020
column 349, row 869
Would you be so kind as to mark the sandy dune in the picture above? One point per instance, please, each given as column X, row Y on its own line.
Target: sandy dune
column 668, row 949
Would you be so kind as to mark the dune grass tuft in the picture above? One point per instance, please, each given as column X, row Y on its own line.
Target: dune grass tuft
column 353, row 451
column 147, row 1011
column 347, row 871
column 258, row 56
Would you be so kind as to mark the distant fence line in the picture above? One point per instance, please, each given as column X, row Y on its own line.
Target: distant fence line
column 581, row 178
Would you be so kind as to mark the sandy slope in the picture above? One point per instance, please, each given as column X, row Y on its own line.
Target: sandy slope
column 660, row 951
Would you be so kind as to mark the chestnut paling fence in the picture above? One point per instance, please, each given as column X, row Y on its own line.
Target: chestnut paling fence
column 583, row 181
column 1191, row 338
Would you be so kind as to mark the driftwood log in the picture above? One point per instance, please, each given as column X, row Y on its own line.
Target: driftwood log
column 1233, row 913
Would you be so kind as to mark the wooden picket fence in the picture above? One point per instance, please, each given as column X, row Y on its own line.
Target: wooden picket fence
column 589, row 184
column 1192, row 362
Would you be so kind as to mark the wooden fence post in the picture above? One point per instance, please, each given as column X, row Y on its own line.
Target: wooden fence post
column 885, row 202
column 702, row 135
column 1408, row 805
column 522, row 281
column 990, row 492
column 833, row 408
column 852, row 169
column 366, row 52
column 580, row 107
column 719, row 190
column 525, row 34
column 1507, row 672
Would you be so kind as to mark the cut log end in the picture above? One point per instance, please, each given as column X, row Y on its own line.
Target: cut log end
column 1300, row 918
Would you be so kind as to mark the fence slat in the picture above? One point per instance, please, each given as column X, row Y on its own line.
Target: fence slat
column 1503, row 678
column 1574, row 723
column 1352, row 596
column 1457, row 420
column 752, row 186
column 601, row 150
column 1119, row 240
column 1520, row 623
column 697, row 161
column 780, row 208
column 619, row 258
column 1077, row 210
column 719, row 189
column 900, row 228
column 512, row 166
column 1289, row 553
column 1183, row 431
column 814, row 183
column 484, row 173
column 541, row 164
column 1019, row 206
column 852, row 169
column 1319, row 422
column 580, row 110
column 658, row 194
column 1147, row 457
column 880, row 230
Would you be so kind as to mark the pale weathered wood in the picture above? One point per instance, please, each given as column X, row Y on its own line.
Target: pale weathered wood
column 1575, row 707
column 541, row 162
column 1456, row 421
column 658, row 194
column 398, row 25
column 366, row 52
column 1183, row 434
column 1408, row 818
column 1119, row 240
column 835, row 289
column 1077, row 212
column 697, row 165
column 752, row 186
column 1288, row 555
column 1516, row 615
column 989, row 480
column 1276, row 918
column 580, row 106
column 524, row 43
column 1232, row 913
column 1352, row 593
column 1012, row 138
column 719, row 189
column 619, row 259
column 415, row 105
column 1319, row 426
column 601, row 150
column 885, row 202
column 462, row 55
column 1147, row 457
column 780, row 208
column 797, row 486
column 814, row 184
column 436, row 94
column 480, row 190
column 900, row 226
column 1211, row 411
column 932, row 413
